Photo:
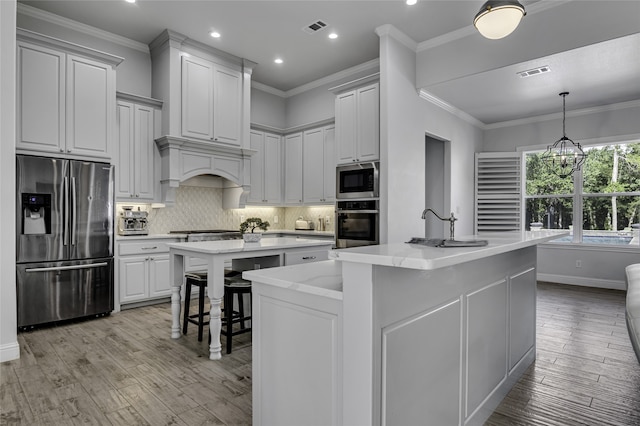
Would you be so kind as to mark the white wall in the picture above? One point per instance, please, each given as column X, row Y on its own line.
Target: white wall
column 133, row 75
column 9, row 348
column 600, row 267
column 268, row 109
column 405, row 119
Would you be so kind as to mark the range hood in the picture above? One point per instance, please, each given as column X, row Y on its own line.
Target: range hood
column 183, row 159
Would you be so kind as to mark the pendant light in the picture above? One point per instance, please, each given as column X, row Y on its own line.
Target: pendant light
column 498, row 19
column 565, row 156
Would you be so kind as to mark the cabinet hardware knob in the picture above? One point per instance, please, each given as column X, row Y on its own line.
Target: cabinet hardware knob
column 61, row 150
column 69, row 150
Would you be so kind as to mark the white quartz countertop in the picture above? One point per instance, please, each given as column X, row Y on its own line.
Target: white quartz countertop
column 231, row 246
column 318, row 278
column 414, row 256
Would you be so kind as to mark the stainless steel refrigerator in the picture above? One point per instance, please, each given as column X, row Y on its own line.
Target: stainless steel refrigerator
column 64, row 242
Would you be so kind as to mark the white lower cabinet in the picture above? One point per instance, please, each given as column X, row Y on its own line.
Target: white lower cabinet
column 143, row 270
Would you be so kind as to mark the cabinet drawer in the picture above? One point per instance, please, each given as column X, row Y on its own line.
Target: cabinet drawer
column 144, row 247
column 305, row 257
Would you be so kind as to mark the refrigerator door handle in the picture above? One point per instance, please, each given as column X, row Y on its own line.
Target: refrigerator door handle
column 65, row 236
column 74, row 211
column 66, row 268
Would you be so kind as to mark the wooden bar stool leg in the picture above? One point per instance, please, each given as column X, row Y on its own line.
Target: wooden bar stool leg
column 187, row 300
column 201, row 312
column 228, row 311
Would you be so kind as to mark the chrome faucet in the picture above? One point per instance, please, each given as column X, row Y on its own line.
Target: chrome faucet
column 451, row 220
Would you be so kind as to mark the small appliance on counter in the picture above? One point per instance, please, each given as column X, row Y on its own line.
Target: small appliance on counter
column 304, row 225
column 133, row 222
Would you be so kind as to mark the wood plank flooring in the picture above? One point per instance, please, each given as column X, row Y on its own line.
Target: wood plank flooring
column 125, row 370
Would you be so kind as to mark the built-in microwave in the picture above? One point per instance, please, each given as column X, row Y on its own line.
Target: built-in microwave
column 357, row 181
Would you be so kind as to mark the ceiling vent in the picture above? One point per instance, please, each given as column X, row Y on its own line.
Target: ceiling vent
column 314, row 27
column 534, row 71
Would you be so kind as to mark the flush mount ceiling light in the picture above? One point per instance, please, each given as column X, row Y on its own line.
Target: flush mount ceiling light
column 412, row 2
column 278, row 61
column 214, row 34
column 565, row 156
column 498, row 19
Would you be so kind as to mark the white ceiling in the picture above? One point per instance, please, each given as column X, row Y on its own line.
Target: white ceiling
column 596, row 58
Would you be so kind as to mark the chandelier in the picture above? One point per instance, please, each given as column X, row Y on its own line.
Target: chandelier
column 565, row 156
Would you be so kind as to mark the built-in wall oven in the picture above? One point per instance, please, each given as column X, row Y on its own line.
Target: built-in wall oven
column 357, row 181
column 357, row 223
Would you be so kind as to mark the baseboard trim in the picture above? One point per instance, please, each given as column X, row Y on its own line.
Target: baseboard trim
column 581, row 281
column 9, row 352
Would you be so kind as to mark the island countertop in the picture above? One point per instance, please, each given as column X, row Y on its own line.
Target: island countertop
column 231, row 246
column 414, row 256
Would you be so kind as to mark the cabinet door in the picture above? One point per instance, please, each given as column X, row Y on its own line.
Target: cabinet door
column 329, row 164
column 125, row 152
column 293, row 169
column 197, row 98
column 256, row 141
column 90, row 105
column 227, row 107
column 133, row 277
column 272, row 169
column 40, row 98
column 312, row 166
column 368, row 140
column 159, row 282
column 346, row 129
column 144, row 150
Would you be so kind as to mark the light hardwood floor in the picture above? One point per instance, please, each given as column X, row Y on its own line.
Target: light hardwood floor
column 125, row 370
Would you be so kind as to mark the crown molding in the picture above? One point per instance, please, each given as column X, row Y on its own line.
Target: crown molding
column 558, row 115
column 537, row 7
column 391, row 31
column 450, row 108
column 373, row 64
column 82, row 28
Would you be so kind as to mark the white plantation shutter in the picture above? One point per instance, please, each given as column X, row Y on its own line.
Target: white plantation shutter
column 498, row 191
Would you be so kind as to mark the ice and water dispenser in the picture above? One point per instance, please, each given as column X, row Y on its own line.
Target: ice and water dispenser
column 36, row 214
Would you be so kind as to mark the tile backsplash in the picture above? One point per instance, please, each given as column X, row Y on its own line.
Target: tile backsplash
column 201, row 208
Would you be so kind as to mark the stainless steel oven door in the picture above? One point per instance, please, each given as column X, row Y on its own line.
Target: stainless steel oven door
column 357, row 226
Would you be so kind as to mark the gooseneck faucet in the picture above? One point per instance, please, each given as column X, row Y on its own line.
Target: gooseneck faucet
column 451, row 220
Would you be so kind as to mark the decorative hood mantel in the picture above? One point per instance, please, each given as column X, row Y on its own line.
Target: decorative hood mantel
column 182, row 159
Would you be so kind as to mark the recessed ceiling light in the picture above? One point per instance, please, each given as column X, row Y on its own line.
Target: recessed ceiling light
column 130, row 1
column 214, row 34
column 278, row 61
column 412, row 2
column 333, row 36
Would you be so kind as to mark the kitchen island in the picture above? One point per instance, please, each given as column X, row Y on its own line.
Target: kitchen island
column 419, row 335
column 282, row 251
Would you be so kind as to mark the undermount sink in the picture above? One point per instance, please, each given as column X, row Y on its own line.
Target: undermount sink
column 439, row 242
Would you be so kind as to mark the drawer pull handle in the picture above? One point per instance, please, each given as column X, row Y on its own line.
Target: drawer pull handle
column 150, row 248
column 308, row 257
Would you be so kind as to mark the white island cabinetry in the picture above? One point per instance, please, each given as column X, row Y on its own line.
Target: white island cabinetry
column 427, row 333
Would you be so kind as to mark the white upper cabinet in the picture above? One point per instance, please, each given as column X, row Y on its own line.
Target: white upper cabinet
column 358, row 125
column 266, row 169
column 66, row 101
column 319, row 166
column 211, row 101
column 293, row 169
column 135, row 160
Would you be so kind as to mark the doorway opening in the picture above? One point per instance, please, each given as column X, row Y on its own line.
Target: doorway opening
column 437, row 193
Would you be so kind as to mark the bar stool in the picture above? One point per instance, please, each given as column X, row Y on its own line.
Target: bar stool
column 234, row 285
column 198, row 279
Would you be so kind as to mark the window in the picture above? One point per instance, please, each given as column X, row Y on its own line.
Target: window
column 599, row 204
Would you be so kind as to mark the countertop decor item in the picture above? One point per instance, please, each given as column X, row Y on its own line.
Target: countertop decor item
column 251, row 224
